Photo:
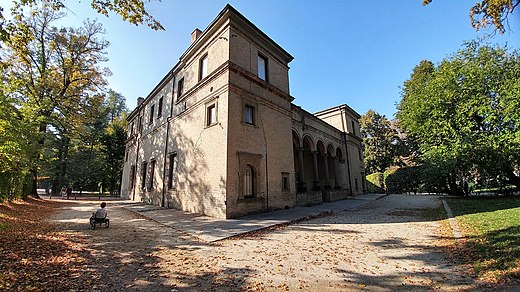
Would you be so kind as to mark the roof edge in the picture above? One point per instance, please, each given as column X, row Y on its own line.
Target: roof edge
column 338, row 107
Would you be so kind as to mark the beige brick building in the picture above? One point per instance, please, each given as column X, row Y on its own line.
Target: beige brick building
column 219, row 135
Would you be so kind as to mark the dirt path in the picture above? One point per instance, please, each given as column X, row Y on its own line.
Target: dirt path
column 385, row 246
column 125, row 256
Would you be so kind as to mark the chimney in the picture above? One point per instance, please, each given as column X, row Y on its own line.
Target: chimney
column 195, row 35
column 139, row 101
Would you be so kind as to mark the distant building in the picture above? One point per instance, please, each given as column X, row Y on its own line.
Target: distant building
column 219, row 135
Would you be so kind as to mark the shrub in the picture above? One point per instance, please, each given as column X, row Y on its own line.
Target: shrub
column 403, row 180
column 375, row 183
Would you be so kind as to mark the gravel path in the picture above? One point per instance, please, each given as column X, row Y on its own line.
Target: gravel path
column 387, row 245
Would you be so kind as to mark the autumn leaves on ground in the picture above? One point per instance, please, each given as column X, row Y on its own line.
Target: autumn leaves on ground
column 33, row 255
column 396, row 242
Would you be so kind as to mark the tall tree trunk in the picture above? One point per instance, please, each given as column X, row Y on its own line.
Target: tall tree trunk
column 454, row 188
column 37, row 158
column 65, row 158
column 57, row 181
column 34, row 184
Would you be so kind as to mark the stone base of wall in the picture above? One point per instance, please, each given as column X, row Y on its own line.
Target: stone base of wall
column 334, row 195
column 309, row 198
column 248, row 206
column 209, row 204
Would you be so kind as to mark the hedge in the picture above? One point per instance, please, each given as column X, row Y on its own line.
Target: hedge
column 375, row 183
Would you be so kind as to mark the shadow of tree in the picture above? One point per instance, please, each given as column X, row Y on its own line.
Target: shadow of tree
column 403, row 282
column 137, row 254
column 33, row 255
column 494, row 256
column 472, row 205
column 492, row 242
column 191, row 188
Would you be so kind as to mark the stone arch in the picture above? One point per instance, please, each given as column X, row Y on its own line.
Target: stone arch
column 332, row 167
column 322, row 166
column 296, row 138
column 308, row 162
column 339, row 155
column 308, row 141
column 298, row 162
column 320, row 147
column 330, row 150
column 341, row 173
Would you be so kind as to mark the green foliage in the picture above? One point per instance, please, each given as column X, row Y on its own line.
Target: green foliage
column 379, row 142
column 14, row 185
column 415, row 179
column 403, row 180
column 462, row 114
column 486, row 12
column 133, row 11
column 56, row 119
column 92, row 154
column 492, row 227
column 375, row 183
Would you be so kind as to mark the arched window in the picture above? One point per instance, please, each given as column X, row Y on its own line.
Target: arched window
column 249, row 182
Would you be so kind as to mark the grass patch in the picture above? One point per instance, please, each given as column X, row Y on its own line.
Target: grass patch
column 434, row 214
column 492, row 230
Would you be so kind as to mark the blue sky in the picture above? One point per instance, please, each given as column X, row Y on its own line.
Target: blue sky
column 353, row 52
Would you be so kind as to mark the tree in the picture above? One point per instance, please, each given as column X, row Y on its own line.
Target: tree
column 95, row 150
column 464, row 114
column 113, row 153
column 115, row 106
column 488, row 12
column 133, row 11
column 15, row 143
column 379, row 142
column 53, row 74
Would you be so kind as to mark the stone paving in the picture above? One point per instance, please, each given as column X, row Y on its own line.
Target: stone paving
column 210, row 229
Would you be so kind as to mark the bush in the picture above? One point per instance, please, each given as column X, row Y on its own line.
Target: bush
column 414, row 179
column 375, row 183
column 403, row 180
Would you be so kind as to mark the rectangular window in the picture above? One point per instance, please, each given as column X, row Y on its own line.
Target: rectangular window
column 131, row 128
column 160, row 107
column 360, row 155
column 172, row 169
column 203, row 67
column 140, row 125
column 132, row 177
column 211, row 114
column 144, row 170
column 262, row 67
column 152, row 174
column 353, row 128
column 126, row 156
column 180, row 88
column 285, row 181
column 249, row 114
column 152, row 110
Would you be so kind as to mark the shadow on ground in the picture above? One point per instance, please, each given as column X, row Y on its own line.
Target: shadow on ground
column 137, row 254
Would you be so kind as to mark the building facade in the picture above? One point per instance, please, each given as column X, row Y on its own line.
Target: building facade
column 219, row 135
